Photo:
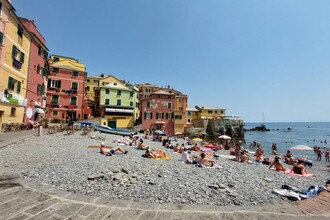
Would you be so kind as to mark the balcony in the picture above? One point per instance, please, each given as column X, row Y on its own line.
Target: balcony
column 13, row 99
column 17, row 64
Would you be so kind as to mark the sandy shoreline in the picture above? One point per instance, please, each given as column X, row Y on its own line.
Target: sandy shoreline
column 65, row 162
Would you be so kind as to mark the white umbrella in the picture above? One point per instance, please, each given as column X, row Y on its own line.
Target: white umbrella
column 225, row 137
column 301, row 147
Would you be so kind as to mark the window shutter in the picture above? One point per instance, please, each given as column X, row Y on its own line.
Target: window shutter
column 49, row 83
column 145, row 115
column 1, row 38
column 10, row 81
column 22, row 58
column 59, row 84
column 13, row 52
column 18, row 87
column 45, row 55
column 150, row 115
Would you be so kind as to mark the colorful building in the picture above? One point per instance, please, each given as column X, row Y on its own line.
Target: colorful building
column 15, row 42
column 118, row 105
column 210, row 112
column 66, row 89
column 164, row 109
column 38, row 73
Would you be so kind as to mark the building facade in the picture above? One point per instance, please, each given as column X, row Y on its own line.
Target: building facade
column 38, row 73
column 66, row 88
column 118, row 105
column 164, row 109
column 15, row 40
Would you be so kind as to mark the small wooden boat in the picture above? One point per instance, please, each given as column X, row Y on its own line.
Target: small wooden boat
column 110, row 130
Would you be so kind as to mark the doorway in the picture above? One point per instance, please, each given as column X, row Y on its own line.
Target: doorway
column 112, row 124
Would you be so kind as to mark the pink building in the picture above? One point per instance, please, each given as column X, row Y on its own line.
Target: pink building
column 38, row 72
column 66, row 88
column 164, row 110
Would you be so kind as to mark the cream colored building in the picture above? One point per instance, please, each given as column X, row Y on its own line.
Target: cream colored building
column 15, row 50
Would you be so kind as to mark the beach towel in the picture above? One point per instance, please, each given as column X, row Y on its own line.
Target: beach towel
column 164, row 158
column 304, row 175
column 287, row 193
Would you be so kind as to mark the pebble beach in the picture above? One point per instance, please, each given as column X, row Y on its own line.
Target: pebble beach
column 65, row 162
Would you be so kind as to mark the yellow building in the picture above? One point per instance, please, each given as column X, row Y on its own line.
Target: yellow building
column 210, row 112
column 16, row 42
column 192, row 114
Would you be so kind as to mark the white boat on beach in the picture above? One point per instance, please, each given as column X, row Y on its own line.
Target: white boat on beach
column 110, row 130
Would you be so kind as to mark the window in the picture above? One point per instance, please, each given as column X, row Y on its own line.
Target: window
column 56, row 70
column 169, row 97
column 189, row 113
column 148, row 105
column 56, row 59
column 18, row 86
column 54, row 99
column 73, row 100
column 118, row 102
column 11, row 83
column 131, row 94
column 20, row 34
column 148, row 115
column 87, row 88
column 75, row 73
column 188, row 120
column 180, row 108
column 12, row 112
column 169, row 105
column 178, row 116
column 215, row 111
column 168, row 115
column 54, row 83
column 107, row 101
column 74, row 85
column 0, row 8
column 1, row 38
column 95, row 81
column 131, row 104
column 118, row 93
column 40, row 50
column 88, row 80
column 104, row 83
column 55, row 113
column 107, row 91
column 160, row 115
column 17, row 54
column 221, row 112
column 210, row 112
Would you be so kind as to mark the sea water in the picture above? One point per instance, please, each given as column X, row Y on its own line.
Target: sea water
column 289, row 134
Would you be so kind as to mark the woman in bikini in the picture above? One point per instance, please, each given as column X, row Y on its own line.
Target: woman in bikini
column 299, row 168
column 277, row 164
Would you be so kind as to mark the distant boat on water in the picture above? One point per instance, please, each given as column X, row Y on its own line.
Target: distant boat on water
column 262, row 126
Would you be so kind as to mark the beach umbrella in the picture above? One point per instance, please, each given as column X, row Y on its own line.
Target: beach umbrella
column 301, row 147
column 197, row 139
column 178, row 133
column 225, row 137
column 158, row 132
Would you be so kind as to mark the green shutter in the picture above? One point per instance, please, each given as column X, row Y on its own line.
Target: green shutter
column 14, row 52
column 18, row 87
column 1, row 38
column 145, row 115
column 10, row 81
column 150, row 115
column 45, row 55
column 49, row 83
column 59, row 84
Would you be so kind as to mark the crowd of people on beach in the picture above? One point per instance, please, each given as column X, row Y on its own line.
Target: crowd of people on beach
column 205, row 154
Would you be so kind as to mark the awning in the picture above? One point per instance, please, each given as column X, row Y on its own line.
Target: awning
column 119, row 110
column 39, row 110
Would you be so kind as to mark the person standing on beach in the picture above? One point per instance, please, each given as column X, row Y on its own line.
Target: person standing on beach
column 319, row 154
column 327, row 155
column 274, row 149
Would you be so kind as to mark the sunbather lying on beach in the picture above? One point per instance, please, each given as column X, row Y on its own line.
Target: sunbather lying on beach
column 158, row 154
column 277, row 164
column 110, row 150
column 203, row 160
column 299, row 168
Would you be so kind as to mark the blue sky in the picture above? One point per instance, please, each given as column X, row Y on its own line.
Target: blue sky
column 247, row 56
